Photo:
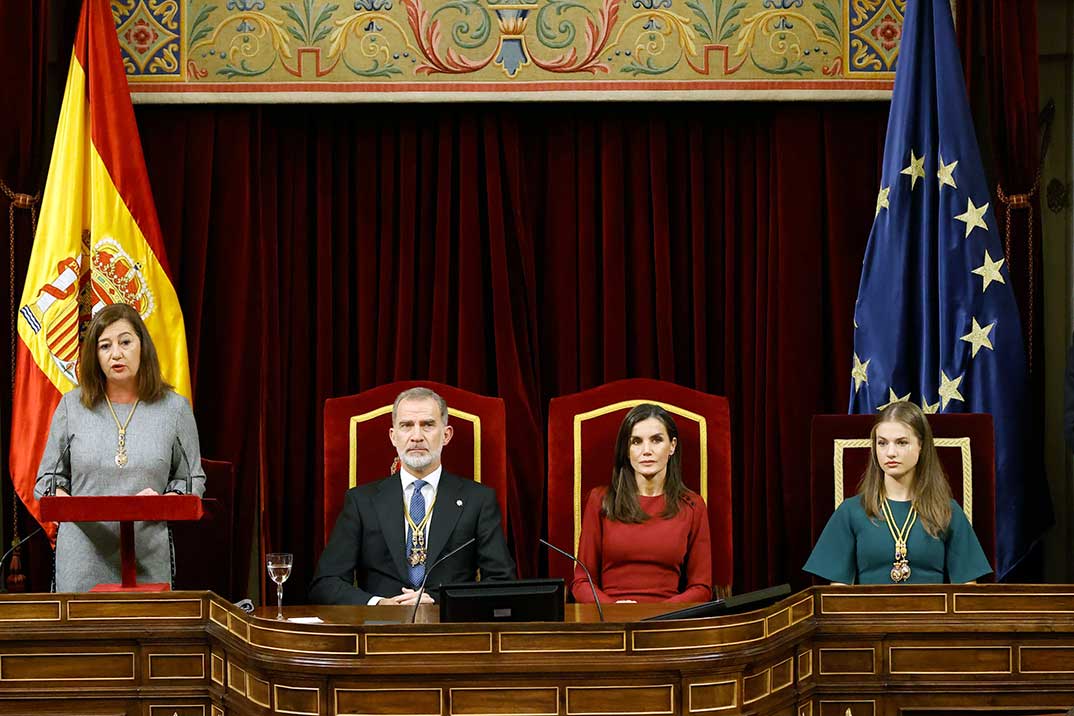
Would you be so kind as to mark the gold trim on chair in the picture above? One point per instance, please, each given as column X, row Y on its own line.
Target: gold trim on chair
column 963, row 444
column 703, row 436
column 352, row 454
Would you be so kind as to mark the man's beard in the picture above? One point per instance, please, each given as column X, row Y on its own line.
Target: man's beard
column 420, row 462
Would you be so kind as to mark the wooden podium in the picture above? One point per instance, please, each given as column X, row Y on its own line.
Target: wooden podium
column 126, row 510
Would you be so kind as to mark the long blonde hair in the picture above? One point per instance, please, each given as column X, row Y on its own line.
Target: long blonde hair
column 932, row 493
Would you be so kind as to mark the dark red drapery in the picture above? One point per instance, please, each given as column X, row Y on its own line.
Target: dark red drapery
column 524, row 252
column 519, row 250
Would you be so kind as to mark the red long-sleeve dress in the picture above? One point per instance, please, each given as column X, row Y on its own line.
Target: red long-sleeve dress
column 659, row 560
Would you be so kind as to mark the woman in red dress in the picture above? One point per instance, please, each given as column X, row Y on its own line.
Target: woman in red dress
column 645, row 536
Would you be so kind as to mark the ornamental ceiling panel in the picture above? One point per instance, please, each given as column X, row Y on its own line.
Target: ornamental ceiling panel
column 479, row 50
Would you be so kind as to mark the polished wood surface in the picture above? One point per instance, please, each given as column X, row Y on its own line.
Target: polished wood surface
column 827, row 651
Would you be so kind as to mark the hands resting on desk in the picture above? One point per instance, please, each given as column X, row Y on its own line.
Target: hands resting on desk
column 408, row 598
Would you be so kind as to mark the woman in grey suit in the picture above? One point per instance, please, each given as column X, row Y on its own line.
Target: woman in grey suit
column 123, row 431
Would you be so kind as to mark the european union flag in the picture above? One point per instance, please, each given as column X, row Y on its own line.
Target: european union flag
column 936, row 321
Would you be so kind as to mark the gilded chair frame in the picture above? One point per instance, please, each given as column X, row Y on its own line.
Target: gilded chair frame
column 963, row 444
column 352, row 451
column 580, row 418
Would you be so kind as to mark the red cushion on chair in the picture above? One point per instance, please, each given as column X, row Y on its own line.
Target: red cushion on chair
column 363, row 421
column 581, row 441
column 955, row 433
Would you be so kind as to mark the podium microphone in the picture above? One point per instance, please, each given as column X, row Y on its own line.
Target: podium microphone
column 437, row 563
column 56, row 467
column 588, row 576
column 186, row 460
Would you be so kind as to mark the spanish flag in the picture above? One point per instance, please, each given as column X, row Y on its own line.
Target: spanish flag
column 98, row 242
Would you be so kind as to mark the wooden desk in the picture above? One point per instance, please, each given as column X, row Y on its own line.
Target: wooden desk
column 873, row 651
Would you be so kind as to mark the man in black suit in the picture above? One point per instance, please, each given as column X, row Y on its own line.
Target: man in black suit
column 391, row 530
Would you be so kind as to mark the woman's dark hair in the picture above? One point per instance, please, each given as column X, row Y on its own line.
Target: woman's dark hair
column 151, row 385
column 621, row 500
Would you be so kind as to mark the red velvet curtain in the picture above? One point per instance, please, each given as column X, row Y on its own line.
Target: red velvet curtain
column 999, row 53
column 520, row 251
column 26, row 74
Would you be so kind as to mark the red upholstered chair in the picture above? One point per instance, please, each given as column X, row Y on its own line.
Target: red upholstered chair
column 204, row 558
column 581, row 439
column 966, row 446
column 357, row 449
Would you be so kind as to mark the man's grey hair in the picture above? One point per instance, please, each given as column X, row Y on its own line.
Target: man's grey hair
column 420, row 393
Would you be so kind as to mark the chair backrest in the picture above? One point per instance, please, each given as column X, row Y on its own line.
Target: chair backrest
column 965, row 443
column 581, row 441
column 357, row 449
column 200, row 563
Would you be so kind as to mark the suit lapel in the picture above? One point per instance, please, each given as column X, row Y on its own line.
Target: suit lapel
column 445, row 514
column 389, row 503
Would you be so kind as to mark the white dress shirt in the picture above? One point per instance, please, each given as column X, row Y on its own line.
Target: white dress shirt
column 432, row 481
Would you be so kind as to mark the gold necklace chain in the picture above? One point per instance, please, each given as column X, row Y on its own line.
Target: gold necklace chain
column 417, row 550
column 900, row 567
column 121, row 446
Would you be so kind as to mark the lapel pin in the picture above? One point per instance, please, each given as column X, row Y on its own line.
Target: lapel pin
column 458, row 502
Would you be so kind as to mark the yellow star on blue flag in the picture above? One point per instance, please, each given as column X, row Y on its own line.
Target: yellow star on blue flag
column 934, row 290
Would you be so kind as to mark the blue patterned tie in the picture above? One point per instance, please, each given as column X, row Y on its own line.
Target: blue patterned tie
column 417, row 514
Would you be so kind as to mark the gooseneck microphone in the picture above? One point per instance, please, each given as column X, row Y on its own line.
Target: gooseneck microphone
column 588, row 576
column 56, row 468
column 437, row 563
column 3, row 560
column 186, row 460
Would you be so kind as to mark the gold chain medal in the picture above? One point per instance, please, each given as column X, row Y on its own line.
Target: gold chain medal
column 416, row 551
column 121, row 445
column 900, row 567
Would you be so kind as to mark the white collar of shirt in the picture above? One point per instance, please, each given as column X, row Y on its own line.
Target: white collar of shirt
column 433, row 480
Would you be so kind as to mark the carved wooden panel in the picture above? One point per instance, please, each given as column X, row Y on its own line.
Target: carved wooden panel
column 67, row 667
column 698, row 637
column 446, row 643
column 756, row 686
column 302, row 642
column 30, row 611
column 877, row 651
column 492, row 701
column 783, row 674
column 805, row 665
column 974, row 660
column 848, row 660
column 164, row 608
column 909, row 603
column 176, row 666
column 1008, row 604
column 218, row 668
column 389, row 701
column 236, row 678
column 1046, row 659
column 705, row 697
column 299, row 700
column 620, row 700
column 257, row 690
column 562, row 642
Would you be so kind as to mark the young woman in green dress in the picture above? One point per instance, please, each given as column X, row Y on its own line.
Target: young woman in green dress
column 903, row 525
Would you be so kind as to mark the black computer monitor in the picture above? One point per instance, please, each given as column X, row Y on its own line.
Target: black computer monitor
column 732, row 605
column 524, row 600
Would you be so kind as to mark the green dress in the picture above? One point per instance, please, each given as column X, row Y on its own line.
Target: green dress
column 854, row 549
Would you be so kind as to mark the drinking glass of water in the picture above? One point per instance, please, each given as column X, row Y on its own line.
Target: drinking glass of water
column 279, row 569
